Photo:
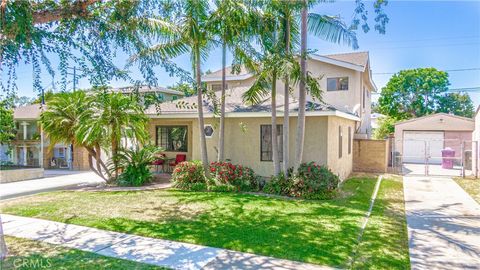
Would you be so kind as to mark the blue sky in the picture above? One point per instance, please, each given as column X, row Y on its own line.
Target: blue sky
column 440, row 34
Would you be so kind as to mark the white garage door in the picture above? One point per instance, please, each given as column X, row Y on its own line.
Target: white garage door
column 416, row 143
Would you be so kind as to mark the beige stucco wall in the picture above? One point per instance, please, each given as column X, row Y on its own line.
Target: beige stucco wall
column 341, row 166
column 370, row 156
column 476, row 146
column 242, row 141
column 436, row 122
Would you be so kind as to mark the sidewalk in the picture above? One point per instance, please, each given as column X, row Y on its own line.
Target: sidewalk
column 55, row 181
column 443, row 224
column 159, row 252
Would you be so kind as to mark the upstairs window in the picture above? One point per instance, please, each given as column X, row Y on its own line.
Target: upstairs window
column 218, row 87
column 266, row 152
column 337, row 84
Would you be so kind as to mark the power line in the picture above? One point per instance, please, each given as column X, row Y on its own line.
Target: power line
column 447, row 70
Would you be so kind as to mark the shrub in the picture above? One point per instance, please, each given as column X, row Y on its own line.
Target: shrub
column 241, row 177
column 134, row 165
column 314, row 181
column 189, row 175
column 279, row 185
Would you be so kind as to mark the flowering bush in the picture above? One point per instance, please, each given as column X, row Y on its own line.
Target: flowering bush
column 226, row 173
column 189, row 175
column 314, row 181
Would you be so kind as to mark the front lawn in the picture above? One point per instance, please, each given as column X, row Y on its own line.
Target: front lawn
column 27, row 254
column 470, row 185
column 320, row 232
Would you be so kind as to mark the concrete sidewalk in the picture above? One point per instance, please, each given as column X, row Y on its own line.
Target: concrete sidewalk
column 159, row 252
column 56, row 181
column 443, row 224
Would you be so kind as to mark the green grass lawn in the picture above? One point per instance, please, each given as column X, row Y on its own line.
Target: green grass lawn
column 320, row 232
column 26, row 254
column 385, row 241
column 470, row 185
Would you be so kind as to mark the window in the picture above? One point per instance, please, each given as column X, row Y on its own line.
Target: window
column 337, row 84
column 218, row 87
column 340, row 142
column 174, row 97
column 172, row 138
column 266, row 153
column 349, row 140
column 208, row 131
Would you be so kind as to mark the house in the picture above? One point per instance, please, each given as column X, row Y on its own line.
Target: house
column 330, row 128
column 162, row 93
column 427, row 136
column 475, row 146
column 25, row 149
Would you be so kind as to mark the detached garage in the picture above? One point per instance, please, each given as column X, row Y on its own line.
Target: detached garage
column 427, row 136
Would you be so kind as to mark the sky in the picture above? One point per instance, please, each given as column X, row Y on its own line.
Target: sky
column 440, row 34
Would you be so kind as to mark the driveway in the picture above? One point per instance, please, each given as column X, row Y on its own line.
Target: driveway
column 53, row 180
column 443, row 224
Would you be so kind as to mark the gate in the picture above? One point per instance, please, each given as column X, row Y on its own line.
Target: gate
column 435, row 157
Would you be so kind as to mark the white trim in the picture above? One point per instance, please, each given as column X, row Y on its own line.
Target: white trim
column 332, row 61
column 256, row 114
column 228, row 78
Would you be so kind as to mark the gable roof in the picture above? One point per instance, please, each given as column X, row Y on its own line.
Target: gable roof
column 435, row 115
column 148, row 89
column 356, row 58
column 234, row 105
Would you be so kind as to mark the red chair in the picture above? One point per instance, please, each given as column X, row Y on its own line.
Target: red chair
column 159, row 162
column 178, row 159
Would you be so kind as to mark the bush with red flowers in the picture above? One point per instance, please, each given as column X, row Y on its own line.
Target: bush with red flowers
column 189, row 175
column 228, row 174
column 312, row 181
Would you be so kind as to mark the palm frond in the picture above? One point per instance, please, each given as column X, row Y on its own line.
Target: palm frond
column 331, row 29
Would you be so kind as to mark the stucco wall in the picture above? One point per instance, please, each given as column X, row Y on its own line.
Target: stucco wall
column 342, row 166
column 370, row 156
column 476, row 146
column 7, row 176
column 242, row 141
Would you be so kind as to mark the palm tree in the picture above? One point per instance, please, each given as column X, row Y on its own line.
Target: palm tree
column 115, row 116
column 62, row 120
column 331, row 29
column 230, row 23
column 187, row 31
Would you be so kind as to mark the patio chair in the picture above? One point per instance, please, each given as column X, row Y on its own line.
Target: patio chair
column 178, row 159
column 159, row 162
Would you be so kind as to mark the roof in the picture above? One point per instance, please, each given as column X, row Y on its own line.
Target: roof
column 356, row 58
column 235, row 105
column 148, row 89
column 27, row 112
column 435, row 115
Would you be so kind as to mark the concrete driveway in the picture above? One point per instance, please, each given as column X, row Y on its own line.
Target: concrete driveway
column 443, row 224
column 53, row 180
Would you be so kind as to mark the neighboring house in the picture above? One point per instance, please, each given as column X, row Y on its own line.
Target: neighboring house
column 25, row 149
column 330, row 126
column 475, row 145
column 346, row 81
column 429, row 135
column 163, row 93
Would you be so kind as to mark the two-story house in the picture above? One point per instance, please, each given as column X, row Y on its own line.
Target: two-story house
column 331, row 124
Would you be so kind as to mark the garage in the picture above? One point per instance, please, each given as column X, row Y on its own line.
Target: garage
column 420, row 144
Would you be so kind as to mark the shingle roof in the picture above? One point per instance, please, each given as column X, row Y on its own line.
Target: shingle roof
column 218, row 73
column 27, row 112
column 234, row 104
column 356, row 58
column 148, row 89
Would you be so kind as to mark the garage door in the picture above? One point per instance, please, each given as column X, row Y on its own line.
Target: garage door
column 416, row 144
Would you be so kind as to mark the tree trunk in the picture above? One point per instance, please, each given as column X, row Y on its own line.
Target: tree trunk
column 286, row 115
column 299, row 140
column 275, row 157
column 201, row 121
column 114, row 150
column 98, row 171
column 221, row 139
